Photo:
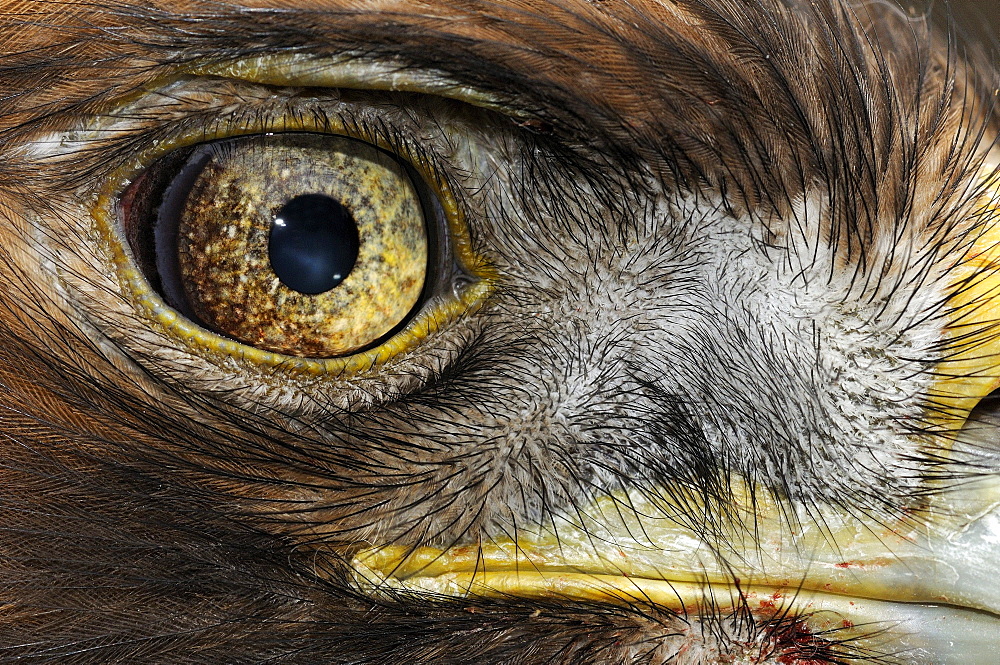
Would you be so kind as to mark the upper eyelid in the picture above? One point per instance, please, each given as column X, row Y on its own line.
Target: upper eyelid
column 162, row 108
column 90, row 147
column 351, row 72
column 56, row 59
column 100, row 142
column 345, row 71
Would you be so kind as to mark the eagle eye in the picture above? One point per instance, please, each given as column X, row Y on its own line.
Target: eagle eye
column 318, row 232
column 303, row 244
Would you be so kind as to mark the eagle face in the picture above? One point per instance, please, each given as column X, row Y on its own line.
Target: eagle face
column 497, row 332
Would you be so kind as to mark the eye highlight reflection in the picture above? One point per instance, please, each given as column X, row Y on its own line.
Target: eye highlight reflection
column 303, row 244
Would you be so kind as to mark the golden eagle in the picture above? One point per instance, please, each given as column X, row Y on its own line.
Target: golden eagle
column 498, row 331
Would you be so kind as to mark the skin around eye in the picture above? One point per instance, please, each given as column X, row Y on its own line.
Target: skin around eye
column 148, row 159
column 306, row 245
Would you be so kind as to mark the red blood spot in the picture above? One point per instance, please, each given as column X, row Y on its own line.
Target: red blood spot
column 795, row 644
column 844, row 564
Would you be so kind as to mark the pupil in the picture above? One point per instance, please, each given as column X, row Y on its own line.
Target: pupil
column 313, row 244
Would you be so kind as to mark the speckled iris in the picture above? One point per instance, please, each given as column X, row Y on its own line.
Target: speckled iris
column 226, row 249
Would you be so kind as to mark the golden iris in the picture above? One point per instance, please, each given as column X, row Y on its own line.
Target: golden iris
column 216, row 225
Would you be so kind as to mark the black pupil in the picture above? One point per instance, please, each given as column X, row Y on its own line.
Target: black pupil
column 314, row 243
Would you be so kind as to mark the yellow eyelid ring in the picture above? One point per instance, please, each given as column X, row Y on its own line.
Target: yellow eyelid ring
column 430, row 316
